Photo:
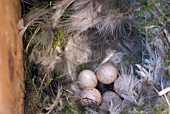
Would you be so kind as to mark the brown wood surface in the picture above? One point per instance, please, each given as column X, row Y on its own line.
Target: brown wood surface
column 11, row 61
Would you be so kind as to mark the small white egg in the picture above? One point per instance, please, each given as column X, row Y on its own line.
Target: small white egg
column 110, row 98
column 118, row 87
column 106, row 73
column 90, row 96
column 87, row 78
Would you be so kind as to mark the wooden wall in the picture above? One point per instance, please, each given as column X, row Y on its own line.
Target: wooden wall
column 11, row 60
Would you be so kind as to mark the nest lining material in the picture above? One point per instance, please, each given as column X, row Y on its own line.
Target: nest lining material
column 92, row 32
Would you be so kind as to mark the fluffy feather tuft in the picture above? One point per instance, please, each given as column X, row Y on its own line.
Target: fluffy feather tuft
column 153, row 68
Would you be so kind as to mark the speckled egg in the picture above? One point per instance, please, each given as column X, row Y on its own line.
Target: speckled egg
column 106, row 73
column 87, row 78
column 111, row 97
column 90, row 96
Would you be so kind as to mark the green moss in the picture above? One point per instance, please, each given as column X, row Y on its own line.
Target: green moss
column 34, row 96
column 58, row 38
column 160, row 110
column 67, row 107
column 146, row 17
column 138, row 110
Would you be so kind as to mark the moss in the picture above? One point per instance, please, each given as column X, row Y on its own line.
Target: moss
column 58, row 37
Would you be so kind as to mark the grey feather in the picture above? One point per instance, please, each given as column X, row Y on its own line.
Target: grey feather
column 153, row 68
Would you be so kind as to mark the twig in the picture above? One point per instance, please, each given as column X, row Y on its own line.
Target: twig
column 164, row 91
column 32, row 37
column 55, row 101
column 62, row 75
column 42, row 82
column 159, row 10
column 167, row 34
column 161, row 94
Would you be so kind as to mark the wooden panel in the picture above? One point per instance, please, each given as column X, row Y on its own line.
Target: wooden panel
column 11, row 61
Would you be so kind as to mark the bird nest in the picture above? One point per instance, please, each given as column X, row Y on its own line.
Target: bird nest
column 70, row 36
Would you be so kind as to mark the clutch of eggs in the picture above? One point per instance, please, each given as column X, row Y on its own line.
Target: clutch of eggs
column 88, row 80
